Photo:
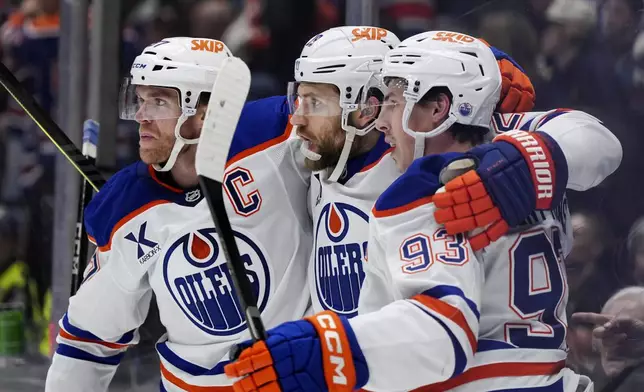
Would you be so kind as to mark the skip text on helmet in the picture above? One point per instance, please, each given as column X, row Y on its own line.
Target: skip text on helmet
column 448, row 36
column 207, row 45
column 369, row 33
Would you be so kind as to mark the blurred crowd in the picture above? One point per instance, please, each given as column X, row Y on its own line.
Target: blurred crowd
column 581, row 54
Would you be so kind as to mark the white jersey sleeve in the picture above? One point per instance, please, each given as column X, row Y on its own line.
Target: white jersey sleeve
column 420, row 300
column 113, row 301
column 592, row 151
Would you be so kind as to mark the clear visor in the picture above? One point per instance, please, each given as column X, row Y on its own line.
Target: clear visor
column 148, row 103
column 313, row 99
column 323, row 100
column 394, row 93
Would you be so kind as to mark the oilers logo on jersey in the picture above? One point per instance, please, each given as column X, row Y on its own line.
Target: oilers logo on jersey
column 197, row 277
column 339, row 257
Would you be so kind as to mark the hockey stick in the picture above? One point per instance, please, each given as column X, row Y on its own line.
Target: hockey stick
column 84, row 166
column 81, row 243
column 224, row 108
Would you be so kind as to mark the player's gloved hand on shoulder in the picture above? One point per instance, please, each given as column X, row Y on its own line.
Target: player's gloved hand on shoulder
column 517, row 91
column 514, row 175
column 317, row 353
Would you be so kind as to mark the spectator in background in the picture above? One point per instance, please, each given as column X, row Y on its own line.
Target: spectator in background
column 407, row 17
column 210, row 18
column 270, row 38
column 618, row 25
column 630, row 73
column 619, row 339
column 587, row 266
column 588, row 285
column 512, row 33
column 611, row 48
column 563, row 72
column 635, row 248
column 536, row 13
column 582, row 358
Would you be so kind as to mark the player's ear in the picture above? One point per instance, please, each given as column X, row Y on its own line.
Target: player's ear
column 200, row 116
column 441, row 109
column 369, row 111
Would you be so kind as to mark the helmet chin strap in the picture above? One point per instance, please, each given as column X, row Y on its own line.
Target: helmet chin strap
column 419, row 137
column 179, row 142
column 351, row 133
column 344, row 156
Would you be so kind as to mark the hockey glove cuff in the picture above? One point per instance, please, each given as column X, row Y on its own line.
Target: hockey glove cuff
column 516, row 174
column 318, row 353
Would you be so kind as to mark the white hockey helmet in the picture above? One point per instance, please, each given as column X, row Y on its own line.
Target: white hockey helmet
column 464, row 65
column 350, row 58
column 189, row 65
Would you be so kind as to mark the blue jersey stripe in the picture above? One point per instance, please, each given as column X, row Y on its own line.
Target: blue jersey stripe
column 77, row 353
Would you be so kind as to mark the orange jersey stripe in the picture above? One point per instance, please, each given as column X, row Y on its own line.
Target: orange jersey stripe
column 116, row 346
column 450, row 312
column 401, row 209
column 153, row 174
column 127, row 218
column 507, row 369
column 263, row 146
column 191, row 388
column 370, row 166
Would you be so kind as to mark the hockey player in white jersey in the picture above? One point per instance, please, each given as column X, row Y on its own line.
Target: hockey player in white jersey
column 353, row 165
column 334, row 114
column 154, row 232
column 331, row 351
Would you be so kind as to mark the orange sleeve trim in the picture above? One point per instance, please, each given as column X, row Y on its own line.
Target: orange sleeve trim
column 115, row 346
column 91, row 239
column 507, row 369
column 369, row 167
column 401, row 209
column 189, row 387
column 127, row 218
column 450, row 312
column 153, row 174
column 263, row 146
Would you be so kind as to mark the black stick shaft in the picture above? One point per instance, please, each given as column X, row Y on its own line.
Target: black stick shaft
column 214, row 195
column 81, row 243
column 49, row 127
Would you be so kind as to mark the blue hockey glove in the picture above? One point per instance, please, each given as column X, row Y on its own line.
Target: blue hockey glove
column 516, row 174
column 318, row 353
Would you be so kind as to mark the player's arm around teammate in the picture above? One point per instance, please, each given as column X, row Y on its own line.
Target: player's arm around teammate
column 512, row 175
column 326, row 351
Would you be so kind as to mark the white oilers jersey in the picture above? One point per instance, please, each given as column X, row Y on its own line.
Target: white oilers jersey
column 153, row 238
column 454, row 319
column 340, row 212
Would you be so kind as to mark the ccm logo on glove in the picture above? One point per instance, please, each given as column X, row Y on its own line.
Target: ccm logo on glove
column 539, row 161
column 336, row 354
